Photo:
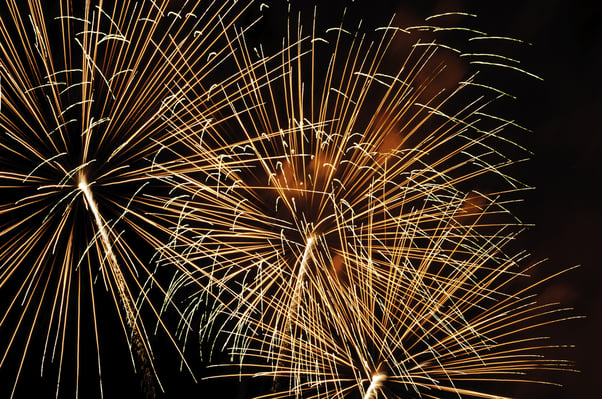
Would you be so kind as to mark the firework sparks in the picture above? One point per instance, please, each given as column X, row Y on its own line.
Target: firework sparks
column 339, row 214
column 89, row 91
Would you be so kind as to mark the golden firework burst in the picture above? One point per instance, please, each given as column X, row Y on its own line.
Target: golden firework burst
column 351, row 215
column 88, row 93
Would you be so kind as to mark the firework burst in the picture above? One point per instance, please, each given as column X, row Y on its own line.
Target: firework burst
column 351, row 217
column 88, row 92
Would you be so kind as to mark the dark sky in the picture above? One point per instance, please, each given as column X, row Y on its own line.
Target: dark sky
column 565, row 113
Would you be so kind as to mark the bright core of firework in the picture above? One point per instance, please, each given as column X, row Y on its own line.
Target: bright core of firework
column 94, row 209
column 375, row 384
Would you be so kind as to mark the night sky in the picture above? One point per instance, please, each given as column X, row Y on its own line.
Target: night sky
column 565, row 113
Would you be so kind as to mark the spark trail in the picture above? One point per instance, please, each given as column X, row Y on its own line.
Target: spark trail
column 140, row 351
